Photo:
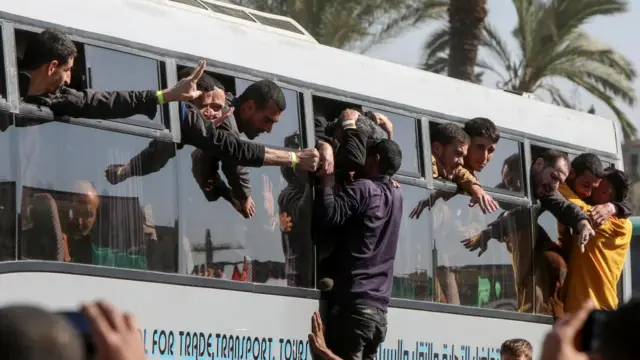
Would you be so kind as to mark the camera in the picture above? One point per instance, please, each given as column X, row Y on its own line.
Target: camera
column 592, row 330
column 81, row 324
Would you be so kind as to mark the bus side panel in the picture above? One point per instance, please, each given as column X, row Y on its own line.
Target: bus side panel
column 180, row 320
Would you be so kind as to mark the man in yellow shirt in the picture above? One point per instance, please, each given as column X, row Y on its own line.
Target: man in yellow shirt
column 594, row 273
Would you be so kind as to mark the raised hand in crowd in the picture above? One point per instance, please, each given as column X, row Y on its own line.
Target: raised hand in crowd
column 186, row 89
column 559, row 344
column 115, row 334
column 326, row 159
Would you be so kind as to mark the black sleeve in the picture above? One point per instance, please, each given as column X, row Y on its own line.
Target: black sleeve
column 320, row 125
column 103, row 104
column 566, row 212
column 352, row 152
column 238, row 179
column 153, row 158
column 624, row 209
column 200, row 133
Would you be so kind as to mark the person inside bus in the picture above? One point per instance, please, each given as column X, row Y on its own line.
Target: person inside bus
column 548, row 171
column 46, row 72
column 450, row 154
column 263, row 94
column 366, row 215
column 594, row 275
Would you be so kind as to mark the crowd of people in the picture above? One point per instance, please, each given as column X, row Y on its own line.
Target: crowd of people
column 358, row 205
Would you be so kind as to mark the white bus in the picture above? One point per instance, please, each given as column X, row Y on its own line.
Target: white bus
column 149, row 239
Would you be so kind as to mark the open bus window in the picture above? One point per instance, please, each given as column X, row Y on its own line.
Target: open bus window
column 74, row 211
column 481, row 260
column 495, row 165
column 289, row 123
column 100, row 68
column 405, row 133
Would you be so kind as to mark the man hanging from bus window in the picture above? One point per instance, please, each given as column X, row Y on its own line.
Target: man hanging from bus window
column 366, row 215
column 453, row 160
column 594, row 274
column 548, row 171
column 264, row 95
column 46, row 70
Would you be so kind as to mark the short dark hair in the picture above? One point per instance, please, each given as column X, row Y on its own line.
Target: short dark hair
column 390, row 155
column 513, row 162
column 46, row 47
column 480, row 126
column 206, row 82
column 517, row 348
column 30, row 333
column 620, row 182
column 619, row 336
column 262, row 92
column 446, row 134
column 588, row 162
column 551, row 157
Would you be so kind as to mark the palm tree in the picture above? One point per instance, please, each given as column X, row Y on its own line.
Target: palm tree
column 552, row 46
column 466, row 20
column 352, row 24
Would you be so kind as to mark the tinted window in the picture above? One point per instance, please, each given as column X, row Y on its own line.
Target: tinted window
column 505, row 169
column 3, row 79
column 273, row 247
column 500, row 277
column 115, row 70
column 7, row 187
column 413, row 267
column 406, row 135
column 288, row 124
column 71, row 212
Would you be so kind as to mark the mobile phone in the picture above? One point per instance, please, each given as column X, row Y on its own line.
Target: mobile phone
column 81, row 324
column 592, row 330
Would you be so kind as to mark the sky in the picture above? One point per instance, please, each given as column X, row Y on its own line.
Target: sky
column 407, row 48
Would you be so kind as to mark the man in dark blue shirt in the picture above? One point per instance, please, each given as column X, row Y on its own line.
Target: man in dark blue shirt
column 365, row 216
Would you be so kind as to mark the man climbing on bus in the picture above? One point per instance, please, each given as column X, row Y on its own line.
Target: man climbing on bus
column 594, row 274
column 366, row 215
column 46, row 72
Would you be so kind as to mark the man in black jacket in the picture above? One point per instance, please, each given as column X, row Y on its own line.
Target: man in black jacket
column 46, row 70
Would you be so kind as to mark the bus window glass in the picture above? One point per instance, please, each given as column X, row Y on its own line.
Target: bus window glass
column 504, row 171
column 7, row 187
column 405, row 133
column 482, row 260
column 273, row 246
column 413, row 266
column 289, row 123
column 78, row 206
column 114, row 70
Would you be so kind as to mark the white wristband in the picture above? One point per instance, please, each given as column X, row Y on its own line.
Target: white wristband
column 348, row 123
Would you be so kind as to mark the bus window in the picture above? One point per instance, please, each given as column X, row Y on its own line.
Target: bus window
column 7, row 188
column 100, row 68
column 481, row 260
column 114, row 70
column 413, row 266
column 405, row 133
column 76, row 207
column 289, row 122
column 505, row 169
column 273, row 246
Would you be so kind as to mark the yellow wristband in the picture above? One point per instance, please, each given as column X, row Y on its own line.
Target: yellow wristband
column 294, row 159
column 160, row 97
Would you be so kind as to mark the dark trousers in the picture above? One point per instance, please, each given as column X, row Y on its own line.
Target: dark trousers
column 356, row 332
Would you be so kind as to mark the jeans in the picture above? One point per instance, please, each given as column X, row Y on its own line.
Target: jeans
column 356, row 332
